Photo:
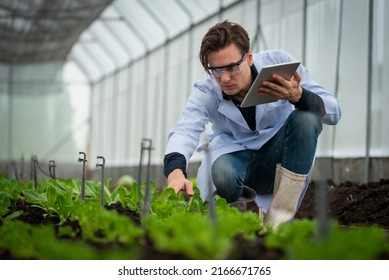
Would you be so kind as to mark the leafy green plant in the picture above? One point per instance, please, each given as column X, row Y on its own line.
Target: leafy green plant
column 183, row 227
column 4, row 203
column 128, row 197
column 168, row 202
column 53, row 201
column 189, row 234
column 100, row 225
column 26, row 241
column 12, row 187
column 175, row 224
column 299, row 241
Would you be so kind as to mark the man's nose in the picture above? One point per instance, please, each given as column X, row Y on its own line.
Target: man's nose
column 225, row 76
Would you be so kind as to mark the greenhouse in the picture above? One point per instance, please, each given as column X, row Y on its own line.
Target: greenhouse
column 98, row 76
column 86, row 84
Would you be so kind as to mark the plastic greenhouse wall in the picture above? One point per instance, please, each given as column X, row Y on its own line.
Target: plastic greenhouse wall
column 137, row 87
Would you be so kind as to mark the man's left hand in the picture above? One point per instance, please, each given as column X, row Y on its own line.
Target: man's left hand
column 282, row 88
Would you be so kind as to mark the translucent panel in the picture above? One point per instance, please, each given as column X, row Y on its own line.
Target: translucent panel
column 135, row 117
column 322, row 55
column 110, row 43
column 95, row 120
column 122, row 114
column 109, row 14
column 245, row 14
column 322, row 41
column 169, row 15
column 106, row 112
column 72, row 74
column 282, row 26
column 153, row 109
column 380, row 85
column 350, row 137
column 139, row 26
column 134, row 46
column 4, row 71
column 86, row 62
column 227, row 2
column 35, row 129
column 28, row 72
column 5, row 112
column 142, row 22
column 100, row 56
column 79, row 95
column 201, row 9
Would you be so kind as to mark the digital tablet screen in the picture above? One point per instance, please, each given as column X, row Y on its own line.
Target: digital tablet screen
column 285, row 70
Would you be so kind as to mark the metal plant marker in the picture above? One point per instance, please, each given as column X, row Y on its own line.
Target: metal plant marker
column 102, row 179
column 34, row 175
column 321, row 199
column 211, row 200
column 52, row 169
column 22, row 166
column 83, row 160
column 146, row 205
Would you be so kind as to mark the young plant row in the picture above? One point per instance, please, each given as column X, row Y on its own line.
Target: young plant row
column 175, row 226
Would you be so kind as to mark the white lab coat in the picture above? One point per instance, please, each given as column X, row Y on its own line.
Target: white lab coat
column 230, row 131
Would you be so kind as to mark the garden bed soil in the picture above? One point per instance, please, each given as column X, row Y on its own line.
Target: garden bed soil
column 351, row 204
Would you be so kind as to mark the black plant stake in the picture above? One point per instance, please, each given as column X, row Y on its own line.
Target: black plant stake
column 321, row 198
column 34, row 160
column 102, row 179
column 22, row 166
column 52, row 169
column 211, row 200
column 83, row 160
column 146, row 204
column 140, row 176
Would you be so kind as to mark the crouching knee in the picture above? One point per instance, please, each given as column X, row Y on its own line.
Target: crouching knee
column 227, row 181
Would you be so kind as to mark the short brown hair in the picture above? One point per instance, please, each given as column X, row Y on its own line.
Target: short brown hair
column 222, row 35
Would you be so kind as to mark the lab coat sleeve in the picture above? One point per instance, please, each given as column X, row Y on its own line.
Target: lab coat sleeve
column 184, row 137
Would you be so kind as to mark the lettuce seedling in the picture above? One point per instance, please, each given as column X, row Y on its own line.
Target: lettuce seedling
column 300, row 241
column 53, row 201
column 4, row 203
column 13, row 187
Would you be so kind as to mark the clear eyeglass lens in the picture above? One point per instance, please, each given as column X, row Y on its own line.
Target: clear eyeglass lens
column 217, row 72
column 231, row 69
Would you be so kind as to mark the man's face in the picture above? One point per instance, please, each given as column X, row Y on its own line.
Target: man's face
column 231, row 70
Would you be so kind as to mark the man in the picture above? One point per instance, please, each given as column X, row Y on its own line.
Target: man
column 270, row 147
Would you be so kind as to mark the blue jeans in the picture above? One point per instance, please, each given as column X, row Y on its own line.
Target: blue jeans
column 294, row 146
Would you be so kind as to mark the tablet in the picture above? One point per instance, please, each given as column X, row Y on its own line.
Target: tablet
column 285, row 70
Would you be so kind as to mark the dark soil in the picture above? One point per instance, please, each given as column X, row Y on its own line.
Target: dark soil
column 351, row 204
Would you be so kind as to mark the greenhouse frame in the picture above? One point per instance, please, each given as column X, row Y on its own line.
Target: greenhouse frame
column 110, row 78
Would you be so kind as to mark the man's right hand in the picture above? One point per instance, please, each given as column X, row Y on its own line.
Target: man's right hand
column 177, row 181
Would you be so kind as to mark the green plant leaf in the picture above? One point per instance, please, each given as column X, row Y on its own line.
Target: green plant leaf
column 4, row 203
column 51, row 194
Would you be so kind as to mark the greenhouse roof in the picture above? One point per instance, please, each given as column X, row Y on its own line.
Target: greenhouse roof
column 100, row 36
column 41, row 30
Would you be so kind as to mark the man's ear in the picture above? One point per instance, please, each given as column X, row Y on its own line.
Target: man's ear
column 250, row 58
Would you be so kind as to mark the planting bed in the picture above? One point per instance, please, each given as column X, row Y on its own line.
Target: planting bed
column 352, row 205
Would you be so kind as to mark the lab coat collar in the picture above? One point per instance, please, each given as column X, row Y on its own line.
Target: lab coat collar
column 230, row 110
